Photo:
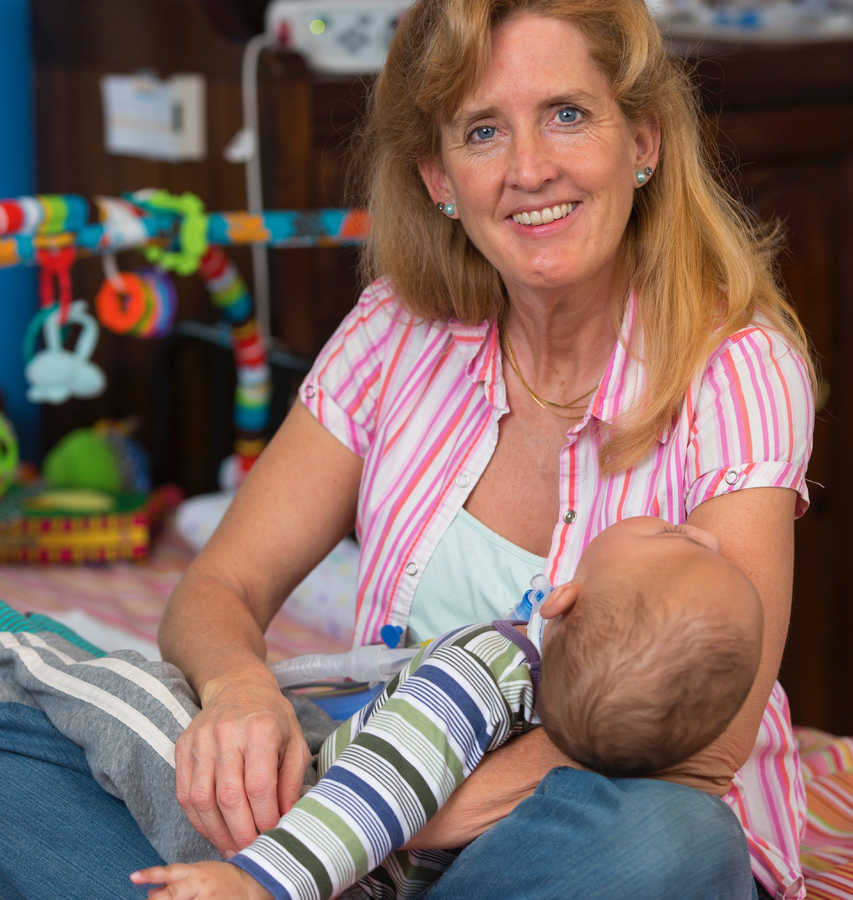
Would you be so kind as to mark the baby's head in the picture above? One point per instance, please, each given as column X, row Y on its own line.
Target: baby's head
column 651, row 649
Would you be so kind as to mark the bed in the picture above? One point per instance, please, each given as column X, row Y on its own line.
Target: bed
column 120, row 604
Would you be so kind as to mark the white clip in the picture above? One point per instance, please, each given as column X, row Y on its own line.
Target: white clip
column 111, row 272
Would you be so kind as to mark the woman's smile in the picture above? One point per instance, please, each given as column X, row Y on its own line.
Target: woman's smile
column 543, row 216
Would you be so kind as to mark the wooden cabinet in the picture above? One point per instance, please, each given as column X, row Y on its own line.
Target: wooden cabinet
column 783, row 120
column 782, row 117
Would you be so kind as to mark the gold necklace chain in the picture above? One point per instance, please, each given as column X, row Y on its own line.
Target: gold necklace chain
column 550, row 405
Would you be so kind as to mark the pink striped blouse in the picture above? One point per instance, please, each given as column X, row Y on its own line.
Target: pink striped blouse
column 420, row 402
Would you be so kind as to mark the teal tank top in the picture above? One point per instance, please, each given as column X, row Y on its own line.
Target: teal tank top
column 474, row 575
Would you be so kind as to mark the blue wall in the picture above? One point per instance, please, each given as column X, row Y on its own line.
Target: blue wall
column 18, row 301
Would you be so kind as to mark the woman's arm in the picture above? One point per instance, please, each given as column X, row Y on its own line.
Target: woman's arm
column 241, row 761
column 756, row 532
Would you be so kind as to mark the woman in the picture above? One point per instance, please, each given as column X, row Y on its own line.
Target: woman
column 573, row 326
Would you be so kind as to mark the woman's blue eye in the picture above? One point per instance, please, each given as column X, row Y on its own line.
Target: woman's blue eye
column 568, row 115
column 483, row 132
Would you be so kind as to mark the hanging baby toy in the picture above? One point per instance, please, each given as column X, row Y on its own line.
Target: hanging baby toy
column 253, row 393
column 55, row 374
column 140, row 303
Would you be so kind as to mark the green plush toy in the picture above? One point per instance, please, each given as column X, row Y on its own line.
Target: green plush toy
column 102, row 458
column 8, row 453
column 83, row 459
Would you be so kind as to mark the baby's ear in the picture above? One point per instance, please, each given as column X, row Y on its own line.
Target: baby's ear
column 560, row 600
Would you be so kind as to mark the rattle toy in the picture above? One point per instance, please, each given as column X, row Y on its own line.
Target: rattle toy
column 55, row 374
column 140, row 303
column 120, row 304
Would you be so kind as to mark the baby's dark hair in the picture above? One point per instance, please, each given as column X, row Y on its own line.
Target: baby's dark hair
column 634, row 686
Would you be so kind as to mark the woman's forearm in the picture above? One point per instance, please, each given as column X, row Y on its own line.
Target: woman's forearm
column 297, row 502
column 502, row 780
column 208, row 632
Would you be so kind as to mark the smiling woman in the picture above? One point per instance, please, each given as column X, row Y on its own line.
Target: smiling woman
column 647, row 283
column 506, row 389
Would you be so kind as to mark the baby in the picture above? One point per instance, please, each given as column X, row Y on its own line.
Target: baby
column 646, row 656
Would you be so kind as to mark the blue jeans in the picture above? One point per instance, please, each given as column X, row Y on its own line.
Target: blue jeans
column 582, row 835
column 63, row 835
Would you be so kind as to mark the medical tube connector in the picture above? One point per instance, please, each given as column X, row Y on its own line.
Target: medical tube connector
column 370, row 663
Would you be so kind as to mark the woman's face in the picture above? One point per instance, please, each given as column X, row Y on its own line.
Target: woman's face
column 540, row 162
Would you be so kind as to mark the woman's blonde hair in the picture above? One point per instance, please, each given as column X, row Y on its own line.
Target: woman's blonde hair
column 701, row 267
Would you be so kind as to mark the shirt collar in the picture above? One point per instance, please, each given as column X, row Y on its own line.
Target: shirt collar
column 479, row 346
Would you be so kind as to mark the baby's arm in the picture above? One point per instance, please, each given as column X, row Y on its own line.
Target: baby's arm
column 469, row 694
column 200, row 881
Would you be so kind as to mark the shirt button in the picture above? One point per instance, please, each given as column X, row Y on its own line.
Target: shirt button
column 732, row 477
column 569, row 516
column 309, row 391
column 463, row 479
column 411, row 569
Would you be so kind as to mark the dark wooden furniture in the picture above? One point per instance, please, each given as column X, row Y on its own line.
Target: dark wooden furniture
column 783, row 118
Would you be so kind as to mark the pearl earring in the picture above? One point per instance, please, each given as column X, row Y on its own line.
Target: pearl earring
column 644, row 174
column 449, row 209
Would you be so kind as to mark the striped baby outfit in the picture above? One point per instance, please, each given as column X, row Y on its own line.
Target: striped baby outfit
column 420, row 402
column 387, row 770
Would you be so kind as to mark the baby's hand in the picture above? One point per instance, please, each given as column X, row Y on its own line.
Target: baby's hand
column 200, row 881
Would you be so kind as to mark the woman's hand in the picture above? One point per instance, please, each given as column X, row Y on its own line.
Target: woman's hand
column 241, row 762
column 200, row 881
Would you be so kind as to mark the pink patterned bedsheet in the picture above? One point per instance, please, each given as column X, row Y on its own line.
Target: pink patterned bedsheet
column 131, row 596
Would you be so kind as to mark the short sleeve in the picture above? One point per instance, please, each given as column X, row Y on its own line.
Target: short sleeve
column 342, row 388
column 753, row 419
